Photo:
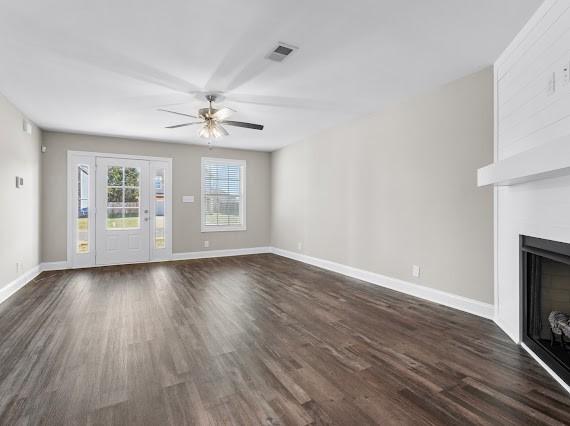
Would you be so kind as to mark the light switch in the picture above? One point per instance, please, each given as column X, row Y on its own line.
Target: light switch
column 19, row 182
column 187, row 198
column 27, row 127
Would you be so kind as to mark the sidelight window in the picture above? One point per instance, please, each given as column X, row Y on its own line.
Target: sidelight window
column 82, row 210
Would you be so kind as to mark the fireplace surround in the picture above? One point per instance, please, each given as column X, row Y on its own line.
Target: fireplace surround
column 545, row 301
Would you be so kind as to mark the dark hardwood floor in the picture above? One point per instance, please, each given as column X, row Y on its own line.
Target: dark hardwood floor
column 255, row 340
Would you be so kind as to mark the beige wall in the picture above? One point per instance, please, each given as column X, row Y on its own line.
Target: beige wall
column 397, row 188
column 186, row 181
column 20, row 208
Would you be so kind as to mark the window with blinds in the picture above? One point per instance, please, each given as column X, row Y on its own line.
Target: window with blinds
column 223, row 197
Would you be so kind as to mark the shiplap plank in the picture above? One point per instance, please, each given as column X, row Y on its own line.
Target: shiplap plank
column 527, row 114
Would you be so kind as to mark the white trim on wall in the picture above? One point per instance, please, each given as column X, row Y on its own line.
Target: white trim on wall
column 221, row 253
column 112, row 155
column 12, row 287
column 55, row 266
column 496, row 197
column 475, row 307
column 464, row 304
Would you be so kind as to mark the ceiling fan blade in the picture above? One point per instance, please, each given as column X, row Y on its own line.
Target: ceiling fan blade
column 223, row 113
column 285, row 102
column 245, row 58
column 242, row 124
column 223, row 132
column 177, row 113
column 57, row 41
column 183, row 125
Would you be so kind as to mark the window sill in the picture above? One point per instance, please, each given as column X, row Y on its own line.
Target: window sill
column 223, row 228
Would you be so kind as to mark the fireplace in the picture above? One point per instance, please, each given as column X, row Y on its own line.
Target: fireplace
column 545, row 290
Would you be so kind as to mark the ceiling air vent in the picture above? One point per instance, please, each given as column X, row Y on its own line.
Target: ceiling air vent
column 281, row 52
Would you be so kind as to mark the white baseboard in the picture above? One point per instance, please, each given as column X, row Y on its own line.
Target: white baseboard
column 57, row 266
column 458, row 302
column 54, row 266
column 471, row 306
column 546, row 367
column 220, row 253
column 506, row 330
column 12, row 287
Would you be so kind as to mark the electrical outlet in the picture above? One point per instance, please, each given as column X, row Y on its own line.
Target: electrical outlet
column 415, row 271
column 299, row 246
column 19, row 267
column 206, row 244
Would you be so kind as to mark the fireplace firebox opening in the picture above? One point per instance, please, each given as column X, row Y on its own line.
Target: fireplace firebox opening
column 545, row 302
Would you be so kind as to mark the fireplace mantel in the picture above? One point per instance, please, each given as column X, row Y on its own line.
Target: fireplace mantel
column 545, row 161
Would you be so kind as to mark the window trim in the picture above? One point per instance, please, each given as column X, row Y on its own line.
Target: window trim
column 242, row 204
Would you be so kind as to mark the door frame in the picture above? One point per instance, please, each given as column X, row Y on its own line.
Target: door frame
column 75, row 260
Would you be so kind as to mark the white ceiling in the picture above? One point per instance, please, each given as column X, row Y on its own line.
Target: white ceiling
column 105, row 66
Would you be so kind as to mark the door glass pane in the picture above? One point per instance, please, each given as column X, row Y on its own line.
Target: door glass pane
column 132, row 219
column 82, row 215
column 159, row 204
column 115, row 197
column 123, row 198
column 131, row 197
column 115, row 218
column 131, row 176
column 115, row 176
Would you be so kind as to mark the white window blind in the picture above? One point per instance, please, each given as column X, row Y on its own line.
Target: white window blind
column 223, row 198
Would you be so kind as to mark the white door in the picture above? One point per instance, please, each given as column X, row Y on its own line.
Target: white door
column 122, row 198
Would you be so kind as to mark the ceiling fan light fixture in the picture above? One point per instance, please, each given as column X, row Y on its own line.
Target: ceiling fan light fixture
column 212, row 120
column 211, row 131
column 216, row 133
column 204, row 132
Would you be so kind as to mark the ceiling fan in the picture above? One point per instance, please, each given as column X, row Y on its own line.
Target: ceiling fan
column 212, row 119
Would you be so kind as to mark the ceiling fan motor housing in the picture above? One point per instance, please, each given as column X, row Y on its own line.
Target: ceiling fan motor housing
column 213, row 119
column 207, row 113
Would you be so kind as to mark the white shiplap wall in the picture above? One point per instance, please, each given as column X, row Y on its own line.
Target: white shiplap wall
column 527, row 115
